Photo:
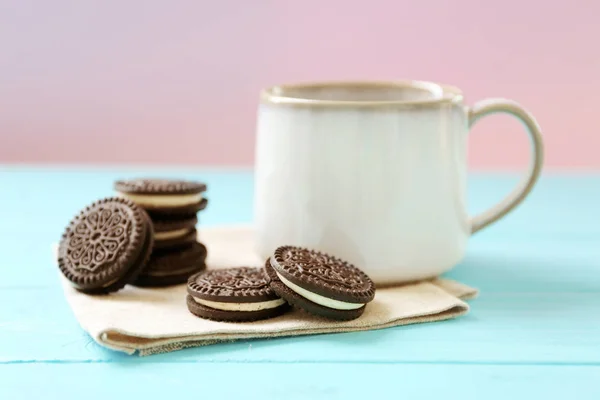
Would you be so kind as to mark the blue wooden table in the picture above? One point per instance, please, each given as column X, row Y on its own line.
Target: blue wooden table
column 534, row 332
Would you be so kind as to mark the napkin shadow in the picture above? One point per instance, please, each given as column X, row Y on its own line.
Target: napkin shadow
column 248, row 348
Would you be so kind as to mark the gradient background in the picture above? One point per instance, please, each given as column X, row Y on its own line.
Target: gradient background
column 177, row 82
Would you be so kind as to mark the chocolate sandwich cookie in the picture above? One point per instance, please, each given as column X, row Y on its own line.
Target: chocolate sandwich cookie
column 173, row 267
column 319, row 283
column 164, row 197
column 233, row 294
column 174, row 232
column 105, row 246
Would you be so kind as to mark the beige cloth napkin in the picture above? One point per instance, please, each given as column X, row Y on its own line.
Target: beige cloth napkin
column 149, row 321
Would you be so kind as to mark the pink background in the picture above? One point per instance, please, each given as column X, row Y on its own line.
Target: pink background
column 177, row 82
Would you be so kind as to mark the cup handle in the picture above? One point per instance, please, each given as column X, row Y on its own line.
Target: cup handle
column 493, row 106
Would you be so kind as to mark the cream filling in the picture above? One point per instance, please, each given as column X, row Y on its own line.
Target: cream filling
column 164, row 200
column 317, row 298
column 170, row 234
column 261, row 305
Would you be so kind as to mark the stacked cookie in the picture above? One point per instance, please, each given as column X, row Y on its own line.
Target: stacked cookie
column 172, row 206
column 314, row 282
column 106, row 246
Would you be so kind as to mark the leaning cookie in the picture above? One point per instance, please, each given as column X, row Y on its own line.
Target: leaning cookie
column 319, row 284
column 164, row 197
column 239, row 294
column 105, row 246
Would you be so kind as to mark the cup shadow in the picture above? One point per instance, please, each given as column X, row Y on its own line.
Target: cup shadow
column 532, row 283
column 544, row 270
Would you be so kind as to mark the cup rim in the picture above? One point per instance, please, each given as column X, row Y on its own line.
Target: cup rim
column 442, row 93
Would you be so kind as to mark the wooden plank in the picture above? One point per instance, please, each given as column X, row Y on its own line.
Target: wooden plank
column 44, row 200
column 517, row 328
column 490, row 265
column 63, row 191
column 298, row 381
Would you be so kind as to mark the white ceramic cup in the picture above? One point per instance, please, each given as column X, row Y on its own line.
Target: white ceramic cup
column 374, row 173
